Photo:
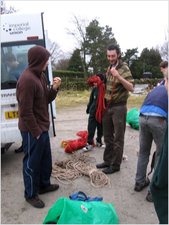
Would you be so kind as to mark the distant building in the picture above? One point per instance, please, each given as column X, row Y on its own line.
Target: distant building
column 147, row 75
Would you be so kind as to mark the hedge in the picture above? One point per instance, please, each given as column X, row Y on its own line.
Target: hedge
column 77, row 80
column 70, row 74
column 74, row 83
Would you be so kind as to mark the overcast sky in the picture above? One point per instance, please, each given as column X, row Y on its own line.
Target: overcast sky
column 134, row 23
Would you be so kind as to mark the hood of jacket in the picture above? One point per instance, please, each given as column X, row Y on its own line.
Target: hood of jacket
column 37, row 57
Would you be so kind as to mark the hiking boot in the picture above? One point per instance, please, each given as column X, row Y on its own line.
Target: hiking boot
column 51, row 187
column 36, row 202
column 139, row 187
column 110, row 170
column 102, row 165
column 149, row 197
column 88, row 148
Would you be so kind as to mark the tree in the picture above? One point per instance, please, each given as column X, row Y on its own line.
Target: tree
column 136, row 69
column 5, row 10
column 75, row 62
column 98, row 38
column 164, row 51
column 80, row 35
column 56, row 52
column 151, row 57
column 130, row 56
column 148, row 61
column 62, row 64
column 93, row 41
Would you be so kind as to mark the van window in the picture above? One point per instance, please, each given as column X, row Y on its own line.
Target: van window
column 13, row 63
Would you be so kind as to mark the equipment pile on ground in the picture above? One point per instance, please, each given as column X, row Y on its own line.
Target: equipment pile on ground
column 79, row 165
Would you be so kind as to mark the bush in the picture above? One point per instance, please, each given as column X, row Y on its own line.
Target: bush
column 74, row 84
column 70, row 74
column 72, row 80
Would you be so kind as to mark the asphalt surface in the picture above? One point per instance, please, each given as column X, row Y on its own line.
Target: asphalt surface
column 131, row 206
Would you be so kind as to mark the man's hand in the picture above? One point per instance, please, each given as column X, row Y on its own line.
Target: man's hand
column 56, row 83
column 114, row 72
column 126, row 84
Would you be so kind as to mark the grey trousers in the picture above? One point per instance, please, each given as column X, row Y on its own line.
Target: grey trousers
column 150, row 129
column 114, row 125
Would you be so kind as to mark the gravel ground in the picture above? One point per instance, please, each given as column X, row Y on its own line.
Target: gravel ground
column 131, row 206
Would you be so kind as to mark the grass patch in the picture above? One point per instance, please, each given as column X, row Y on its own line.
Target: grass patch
column 72, row 98
column 135, row 101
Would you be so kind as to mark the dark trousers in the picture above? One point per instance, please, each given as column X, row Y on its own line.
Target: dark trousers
column 37, row 163
column 92, row 126
column 159, row 183
column 114, row 125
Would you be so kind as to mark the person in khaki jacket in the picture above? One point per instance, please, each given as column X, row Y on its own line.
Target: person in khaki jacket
column 119, row 82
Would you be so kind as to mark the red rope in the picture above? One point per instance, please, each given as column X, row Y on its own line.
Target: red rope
column 100, row 100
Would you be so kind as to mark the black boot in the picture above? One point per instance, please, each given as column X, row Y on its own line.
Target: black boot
column 18, row 150
column 110, row 170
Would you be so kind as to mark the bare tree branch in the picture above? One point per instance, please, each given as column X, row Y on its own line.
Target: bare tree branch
column 5, row 10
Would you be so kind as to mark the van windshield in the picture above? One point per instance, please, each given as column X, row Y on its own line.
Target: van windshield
column 13, row 63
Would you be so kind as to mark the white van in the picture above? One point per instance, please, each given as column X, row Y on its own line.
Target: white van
column 18, row 34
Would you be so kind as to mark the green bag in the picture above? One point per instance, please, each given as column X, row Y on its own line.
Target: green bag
column 133, row 118
column 66, row 211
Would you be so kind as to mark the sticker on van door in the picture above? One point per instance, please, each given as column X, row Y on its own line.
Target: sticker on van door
column 11, row 115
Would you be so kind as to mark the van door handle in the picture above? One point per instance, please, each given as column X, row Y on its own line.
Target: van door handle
column 12, row 105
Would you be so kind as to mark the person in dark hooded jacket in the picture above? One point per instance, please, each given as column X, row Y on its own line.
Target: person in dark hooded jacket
column 33, row 96
column 95, row 109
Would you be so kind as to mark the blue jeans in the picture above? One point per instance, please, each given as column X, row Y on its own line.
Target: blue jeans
column 37, row 163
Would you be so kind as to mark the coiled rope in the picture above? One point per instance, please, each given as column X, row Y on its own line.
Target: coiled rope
column 79, row 165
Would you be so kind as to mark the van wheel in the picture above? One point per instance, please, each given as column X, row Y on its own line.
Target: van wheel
column 2, row 150
column 6, row 147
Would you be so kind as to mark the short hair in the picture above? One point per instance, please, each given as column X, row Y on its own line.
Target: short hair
column 114, row 47
column 164, row 64
column 102, row 76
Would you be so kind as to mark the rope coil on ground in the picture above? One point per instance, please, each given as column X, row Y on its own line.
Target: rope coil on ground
column 79, row 165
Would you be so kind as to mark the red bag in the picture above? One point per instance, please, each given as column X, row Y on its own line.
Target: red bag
column 73, row 145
